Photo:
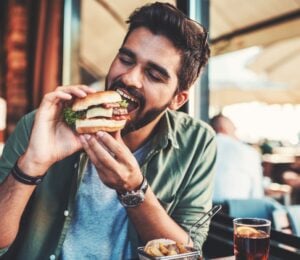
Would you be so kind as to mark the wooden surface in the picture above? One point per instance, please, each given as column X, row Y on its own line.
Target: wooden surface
column 223, row 258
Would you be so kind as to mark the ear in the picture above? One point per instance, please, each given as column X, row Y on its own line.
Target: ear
column 179, row 100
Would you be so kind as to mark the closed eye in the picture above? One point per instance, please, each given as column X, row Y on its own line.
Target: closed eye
column 126, row 56
column 154, row 75
column 157, row 73
column 126, row 60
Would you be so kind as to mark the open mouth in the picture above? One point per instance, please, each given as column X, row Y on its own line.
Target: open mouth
column 133, row 103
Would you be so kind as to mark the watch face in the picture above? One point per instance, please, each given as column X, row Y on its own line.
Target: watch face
column 132, row 199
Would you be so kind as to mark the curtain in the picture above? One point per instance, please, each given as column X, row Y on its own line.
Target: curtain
column 46, row 70
column 31, row 51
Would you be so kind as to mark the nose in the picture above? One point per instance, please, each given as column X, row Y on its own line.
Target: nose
column 133, row 77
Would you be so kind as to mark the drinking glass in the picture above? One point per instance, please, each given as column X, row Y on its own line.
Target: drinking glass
column 251, row 238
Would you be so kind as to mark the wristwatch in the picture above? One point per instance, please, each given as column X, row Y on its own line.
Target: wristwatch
column 131, row 199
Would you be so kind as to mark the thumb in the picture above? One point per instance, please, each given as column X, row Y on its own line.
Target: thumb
column 117, row 136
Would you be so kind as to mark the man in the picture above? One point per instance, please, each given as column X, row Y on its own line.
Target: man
column 238, row 166
column 75, row 211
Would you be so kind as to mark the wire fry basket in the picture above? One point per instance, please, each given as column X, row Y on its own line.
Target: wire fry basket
column 193, row 254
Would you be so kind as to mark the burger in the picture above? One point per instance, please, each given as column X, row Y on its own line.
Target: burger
column 100, row 111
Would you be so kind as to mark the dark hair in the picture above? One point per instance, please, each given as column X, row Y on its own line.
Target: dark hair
column 215, row 121
column 220, row 122
column 187, row 35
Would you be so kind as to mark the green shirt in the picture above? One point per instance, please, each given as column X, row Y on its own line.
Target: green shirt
column 179, row 169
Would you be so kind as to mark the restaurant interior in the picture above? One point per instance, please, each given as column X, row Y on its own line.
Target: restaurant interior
column 44, row 44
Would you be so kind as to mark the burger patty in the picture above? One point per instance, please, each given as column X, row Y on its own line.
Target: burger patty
column 120, row 111
column 112, row 110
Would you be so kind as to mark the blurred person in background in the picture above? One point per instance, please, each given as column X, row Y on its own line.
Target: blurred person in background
column 239, row 172
column 292, row 178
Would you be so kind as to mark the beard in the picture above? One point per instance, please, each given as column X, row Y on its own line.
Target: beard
column 142, row 117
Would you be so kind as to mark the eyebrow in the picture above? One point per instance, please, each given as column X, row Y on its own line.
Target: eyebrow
column 127, row 52
column 160, row 69
column 152, row 65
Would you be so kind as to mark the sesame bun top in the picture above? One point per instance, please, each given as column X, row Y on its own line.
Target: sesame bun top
column 96, row 99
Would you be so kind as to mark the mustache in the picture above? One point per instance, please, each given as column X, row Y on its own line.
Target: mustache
column 119, row 84
column 146, row 119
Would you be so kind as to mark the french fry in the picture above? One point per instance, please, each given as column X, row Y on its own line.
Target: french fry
column 172, row 252
column 147, row 250
column 181, row 248
column 163, row 249
column 173, row 247
column 155, row 251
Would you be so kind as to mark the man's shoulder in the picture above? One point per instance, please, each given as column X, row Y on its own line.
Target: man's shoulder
column 27, row 118
column 25, row 123
column 240, row 147
column 30, row 116
column 184, row 122
column 189, row 132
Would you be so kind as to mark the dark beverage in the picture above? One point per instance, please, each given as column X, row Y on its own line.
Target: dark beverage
column 253, row 246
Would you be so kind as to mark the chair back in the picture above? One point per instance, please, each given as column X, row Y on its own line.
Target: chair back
column 253, row 208
column 293, row 213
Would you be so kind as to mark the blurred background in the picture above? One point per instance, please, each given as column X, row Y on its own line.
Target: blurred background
column 253, row 75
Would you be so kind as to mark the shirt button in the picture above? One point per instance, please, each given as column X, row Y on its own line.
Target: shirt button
column 66, row 213
column 75, row 165
column 52, row 257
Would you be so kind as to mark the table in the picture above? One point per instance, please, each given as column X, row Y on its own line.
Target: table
column 220, row 237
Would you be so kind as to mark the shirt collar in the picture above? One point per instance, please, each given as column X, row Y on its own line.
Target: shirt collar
column 166, row 132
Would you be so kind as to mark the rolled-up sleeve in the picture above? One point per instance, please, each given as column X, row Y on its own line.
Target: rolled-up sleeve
column 14, row 147
column 196, row 198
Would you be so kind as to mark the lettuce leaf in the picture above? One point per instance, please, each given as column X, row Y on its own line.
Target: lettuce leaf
column 123, row 103
column 71, row 116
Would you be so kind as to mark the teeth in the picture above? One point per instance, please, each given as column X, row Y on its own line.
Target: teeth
column 123, row 94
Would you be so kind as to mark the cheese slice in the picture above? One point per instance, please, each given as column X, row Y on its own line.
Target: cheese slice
column 99, row 112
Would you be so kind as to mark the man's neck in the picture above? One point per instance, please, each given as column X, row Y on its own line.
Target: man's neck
column 135, row 139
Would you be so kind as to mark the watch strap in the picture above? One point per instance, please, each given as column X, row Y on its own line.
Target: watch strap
column 143, row 187
column 24, row 178
column 134, row 198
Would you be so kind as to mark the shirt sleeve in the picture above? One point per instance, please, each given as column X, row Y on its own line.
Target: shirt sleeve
column 3, row 251
column 16, row 145
column 196, row 198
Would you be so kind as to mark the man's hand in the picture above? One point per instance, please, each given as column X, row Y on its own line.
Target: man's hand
column 51, row 139
column 116, row 165
column 118, row 169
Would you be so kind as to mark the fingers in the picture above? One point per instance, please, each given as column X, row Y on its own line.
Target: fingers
column 103, row 160
column 115, row 144
column 116, row 135
column 116, row 165
column 63, row 94
column 76, row 90
column 66, row 93
column 97, row 152
column 55, row 97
